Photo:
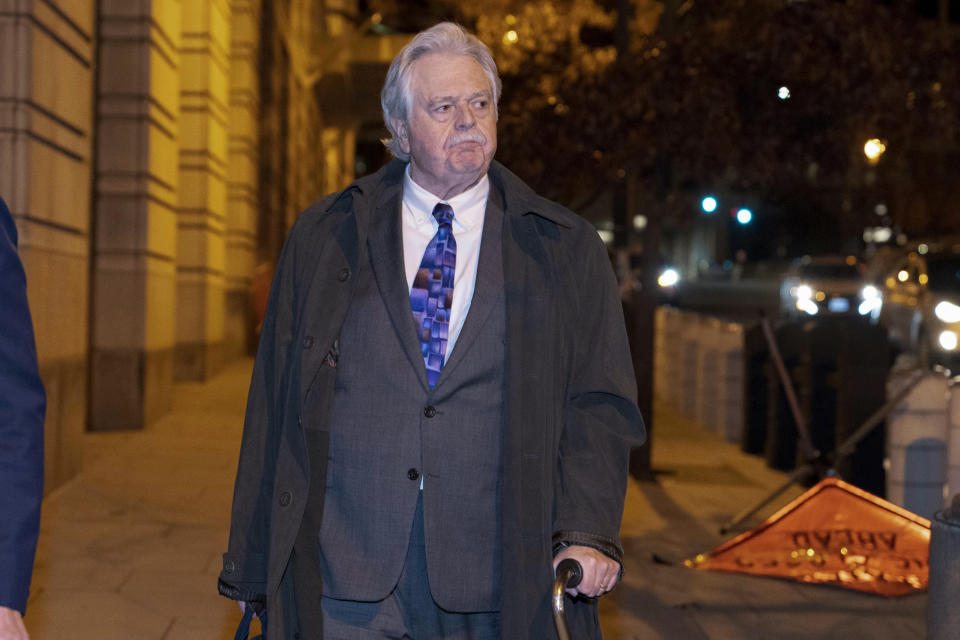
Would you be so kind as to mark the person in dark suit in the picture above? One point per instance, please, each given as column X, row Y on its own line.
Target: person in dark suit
column 443, row 401
column 22, row 407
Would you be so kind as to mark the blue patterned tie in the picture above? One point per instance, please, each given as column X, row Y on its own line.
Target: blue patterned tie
column 432, row 294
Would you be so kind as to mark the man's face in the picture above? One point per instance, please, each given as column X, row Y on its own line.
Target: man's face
column 451, row 130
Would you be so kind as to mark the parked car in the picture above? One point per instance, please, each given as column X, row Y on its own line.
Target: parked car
column 828, row 286
column 921, row 303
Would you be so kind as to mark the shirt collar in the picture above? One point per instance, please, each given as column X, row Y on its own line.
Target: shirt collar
column 468, row 207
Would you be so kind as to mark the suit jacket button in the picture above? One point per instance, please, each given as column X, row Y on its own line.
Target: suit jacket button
column 430, row 411
column 413, row 474
column 308, row 342
column 343, row 274
column 228, row 566
column 286, row 498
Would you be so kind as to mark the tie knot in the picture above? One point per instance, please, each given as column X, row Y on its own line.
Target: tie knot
column 443, row 213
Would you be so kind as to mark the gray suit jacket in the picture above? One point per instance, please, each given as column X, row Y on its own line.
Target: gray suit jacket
column 387, row 428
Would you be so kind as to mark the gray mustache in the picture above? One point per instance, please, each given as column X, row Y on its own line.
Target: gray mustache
column 469, row 137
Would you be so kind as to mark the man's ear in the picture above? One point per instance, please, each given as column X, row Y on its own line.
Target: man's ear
column 403, row 139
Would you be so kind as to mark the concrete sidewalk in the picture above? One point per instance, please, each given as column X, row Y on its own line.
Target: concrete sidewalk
column 130, row 549
column 702, row 483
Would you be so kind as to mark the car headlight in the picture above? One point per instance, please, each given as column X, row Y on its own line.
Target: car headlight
column 947, row 312
column 869, row 292
column 808, row 306
column 668, row 278
column 804, row 292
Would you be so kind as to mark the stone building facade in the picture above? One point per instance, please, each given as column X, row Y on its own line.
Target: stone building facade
column 154, row 154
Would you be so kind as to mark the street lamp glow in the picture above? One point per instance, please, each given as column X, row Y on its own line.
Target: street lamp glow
column 709, row 204
column 744, row 216
column 873, row 149
column 784, row 93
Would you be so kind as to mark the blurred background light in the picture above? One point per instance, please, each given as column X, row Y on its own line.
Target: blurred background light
column 882, row 234
column 744, row 216
column 783, row 93
column 947, row 312
column 709, row 204
column 948, row 340
column 668, row 278
column 873, row 149
column 808, row 306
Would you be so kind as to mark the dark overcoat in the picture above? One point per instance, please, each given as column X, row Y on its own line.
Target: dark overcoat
column 22, row 409
column 570, row 416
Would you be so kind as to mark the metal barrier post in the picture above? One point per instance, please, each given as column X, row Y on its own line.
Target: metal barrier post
column 916, row 458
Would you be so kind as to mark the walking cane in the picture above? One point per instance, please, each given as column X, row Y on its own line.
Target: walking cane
column 569, row 574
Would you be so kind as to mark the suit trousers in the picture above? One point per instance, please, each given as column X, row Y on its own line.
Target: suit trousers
column 409, row 612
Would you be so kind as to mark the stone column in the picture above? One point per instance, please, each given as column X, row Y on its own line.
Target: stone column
column 134, row 274
column 46, row 78
column 201, row 222
column 241, row 220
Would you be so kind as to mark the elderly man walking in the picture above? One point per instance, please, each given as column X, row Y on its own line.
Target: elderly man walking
column 443, row 402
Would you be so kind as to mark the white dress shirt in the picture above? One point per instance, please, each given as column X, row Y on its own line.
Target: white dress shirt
column 418, row 228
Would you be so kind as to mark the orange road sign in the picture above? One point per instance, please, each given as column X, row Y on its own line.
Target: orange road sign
column 833, row 534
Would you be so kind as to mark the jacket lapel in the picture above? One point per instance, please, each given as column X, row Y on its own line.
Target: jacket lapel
column 386, row 257
column 488, row 286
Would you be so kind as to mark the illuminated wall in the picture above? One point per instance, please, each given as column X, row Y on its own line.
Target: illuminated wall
column 154, row 154
column 46, row 128
column 243, row 154
column 136, row 213
column 201, row 219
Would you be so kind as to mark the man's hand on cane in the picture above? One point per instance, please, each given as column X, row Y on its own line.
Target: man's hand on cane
column 600, row 572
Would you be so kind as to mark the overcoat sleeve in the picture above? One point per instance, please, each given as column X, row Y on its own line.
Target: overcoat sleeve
column 244, row 574
column 601, row 419
column 22, row 409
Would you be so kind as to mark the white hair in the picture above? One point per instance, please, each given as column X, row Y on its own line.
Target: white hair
column 446, row 37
